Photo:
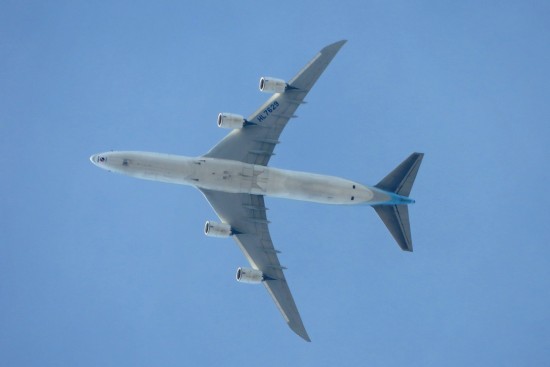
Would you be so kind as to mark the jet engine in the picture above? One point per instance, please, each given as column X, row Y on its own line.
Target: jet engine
column 272, row 85
column 214, row 229
column 230, row 121
column 250, row 276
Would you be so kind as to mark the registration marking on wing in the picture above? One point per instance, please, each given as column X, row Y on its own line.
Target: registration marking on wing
column 268, row 111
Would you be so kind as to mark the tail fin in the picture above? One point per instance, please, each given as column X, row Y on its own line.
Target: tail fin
column 396, row 216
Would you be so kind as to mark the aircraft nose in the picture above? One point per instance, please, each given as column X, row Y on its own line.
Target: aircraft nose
column 97, row 159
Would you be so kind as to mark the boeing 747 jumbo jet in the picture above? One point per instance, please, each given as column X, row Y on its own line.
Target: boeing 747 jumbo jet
column 234, row 178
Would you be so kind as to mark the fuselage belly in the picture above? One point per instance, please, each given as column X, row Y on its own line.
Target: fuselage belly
column 238, row 177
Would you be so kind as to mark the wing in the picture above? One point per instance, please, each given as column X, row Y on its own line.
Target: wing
column 255, row 143
column 247, row 215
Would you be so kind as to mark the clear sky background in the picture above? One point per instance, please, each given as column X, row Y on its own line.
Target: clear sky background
column 99, row 269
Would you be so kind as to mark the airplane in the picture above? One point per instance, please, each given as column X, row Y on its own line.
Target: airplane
column 234, row 177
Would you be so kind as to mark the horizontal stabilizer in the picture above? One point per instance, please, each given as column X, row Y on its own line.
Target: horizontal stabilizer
column 396, row 219
column 396, row 216
column 401, row 179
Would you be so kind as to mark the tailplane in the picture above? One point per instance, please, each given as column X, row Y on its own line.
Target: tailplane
column 396, row 216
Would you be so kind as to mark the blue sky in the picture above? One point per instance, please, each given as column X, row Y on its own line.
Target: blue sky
column 101, row 269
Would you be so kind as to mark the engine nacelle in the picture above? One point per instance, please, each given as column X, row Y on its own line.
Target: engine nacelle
column 272, row 85
column 230, row 121
column 214, row 229
column 250, row 276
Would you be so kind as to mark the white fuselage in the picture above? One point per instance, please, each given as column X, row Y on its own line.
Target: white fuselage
column 238, row 177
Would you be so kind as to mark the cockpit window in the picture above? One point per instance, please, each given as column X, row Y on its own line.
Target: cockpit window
column 102, row 159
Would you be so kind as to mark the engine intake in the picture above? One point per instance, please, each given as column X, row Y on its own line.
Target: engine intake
column 214, row 229
column 231, row 121
column 249, row 276
column 272, row 85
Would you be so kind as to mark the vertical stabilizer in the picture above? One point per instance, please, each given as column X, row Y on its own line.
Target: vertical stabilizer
column 396, row 216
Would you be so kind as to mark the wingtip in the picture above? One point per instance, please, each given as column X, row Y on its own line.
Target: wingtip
column 334, row 47
column 300, row 330
column 419, row 155
column 303, row 335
